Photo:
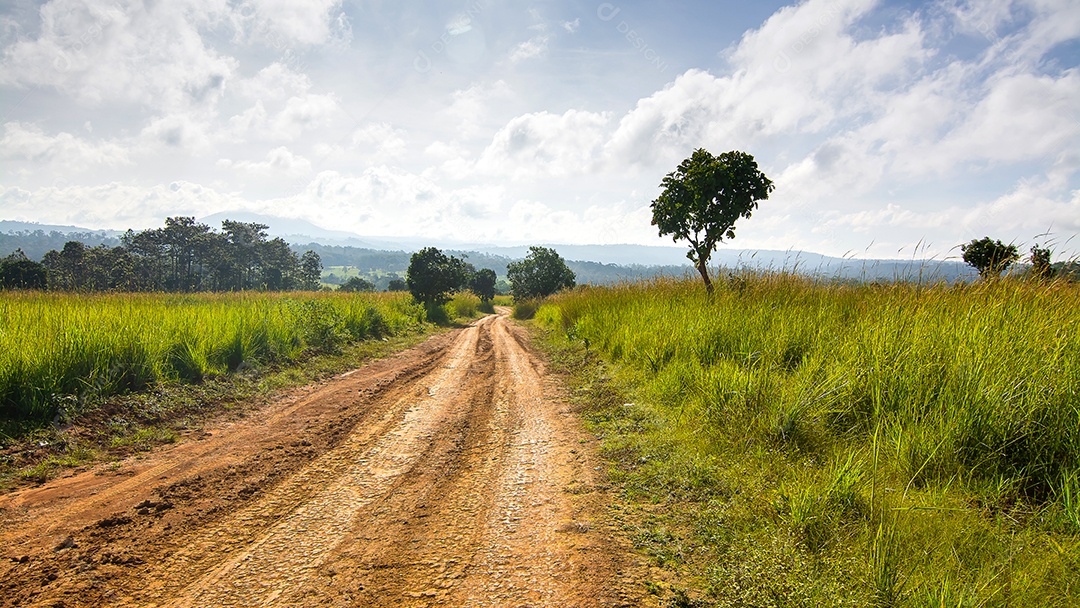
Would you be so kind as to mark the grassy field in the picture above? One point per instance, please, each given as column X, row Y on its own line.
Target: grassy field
column 785, row 442
column 59, row 352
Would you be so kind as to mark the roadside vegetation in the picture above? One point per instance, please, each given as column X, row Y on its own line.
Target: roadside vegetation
column 789, row 442
column 137, row 366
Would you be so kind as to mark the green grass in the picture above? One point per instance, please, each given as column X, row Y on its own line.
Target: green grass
column 464, row 305
column 47, row 467
column 525, row 309
column 791, row 443
column 59, row 352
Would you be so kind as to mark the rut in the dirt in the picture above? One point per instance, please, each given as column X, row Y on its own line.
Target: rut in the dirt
column 449, row 476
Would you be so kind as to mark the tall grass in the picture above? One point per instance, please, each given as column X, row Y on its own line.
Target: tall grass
column 885, row 422
column 57, row 350
column 464, row 305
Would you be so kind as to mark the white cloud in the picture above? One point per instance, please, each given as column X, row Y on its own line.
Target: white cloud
column 572, row 27
column 545, row 144
column 374, row 143
column 665, row 126
column 249, row 123
column 1033, row 207
column 100, row 51
column 299, row 114
column 532, row 48
column 1021, row 117
column 472, row 109
column 381, row 140
column 279, row 162
column 273, row 82
column 180, row 131
column 63, row 150
column 115, row 204
column 282, row 23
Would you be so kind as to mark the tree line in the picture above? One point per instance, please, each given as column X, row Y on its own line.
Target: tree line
column 433, row 276
column 183, row 256
column 36, row 243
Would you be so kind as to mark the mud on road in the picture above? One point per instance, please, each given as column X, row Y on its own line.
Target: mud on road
column 450, row 475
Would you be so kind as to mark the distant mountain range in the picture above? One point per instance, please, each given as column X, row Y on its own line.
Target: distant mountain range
column 630, row 261
column 9, row 226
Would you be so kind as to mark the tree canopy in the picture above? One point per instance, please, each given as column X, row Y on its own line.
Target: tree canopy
column 357, row 284
column 704, row 197
column 989, row 257
column 19, row 272
column 541, row 273
column 432, row 276
column 310, row 271
column 184, row 256
column 1041, row 267
column 483, row 284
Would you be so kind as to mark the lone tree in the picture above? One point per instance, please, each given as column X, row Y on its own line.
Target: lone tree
column 1041, row 267
column 483, row 284
column 989, row 257
column 541, row 273
column 703, row 198
column 432, row 276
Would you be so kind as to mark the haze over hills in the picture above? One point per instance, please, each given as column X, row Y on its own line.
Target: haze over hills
column 10, row 226
column 602, row 263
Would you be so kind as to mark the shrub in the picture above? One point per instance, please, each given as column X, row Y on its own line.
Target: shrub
column 525, row 309
column 463, row 305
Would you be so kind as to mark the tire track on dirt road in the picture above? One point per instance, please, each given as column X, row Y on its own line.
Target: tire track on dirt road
column 458, row 480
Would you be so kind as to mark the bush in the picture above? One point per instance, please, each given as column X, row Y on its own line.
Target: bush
column 437, row 314
column 322, row 327
column 525, row 309
column 463, row 305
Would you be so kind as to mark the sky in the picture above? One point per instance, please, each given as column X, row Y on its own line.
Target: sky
column 891, row 129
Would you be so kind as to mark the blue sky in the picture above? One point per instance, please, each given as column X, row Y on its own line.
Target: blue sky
column 891, row 129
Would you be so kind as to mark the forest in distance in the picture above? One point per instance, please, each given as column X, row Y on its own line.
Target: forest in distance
column 596, row 265
column 170, row 258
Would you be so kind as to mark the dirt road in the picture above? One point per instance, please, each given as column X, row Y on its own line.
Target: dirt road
column 448, row 475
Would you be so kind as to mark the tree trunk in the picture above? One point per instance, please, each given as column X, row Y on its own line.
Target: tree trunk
column 704, row 270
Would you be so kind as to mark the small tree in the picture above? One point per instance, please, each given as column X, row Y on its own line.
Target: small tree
column 310, row 271
column 541, row 273
column 989, row 257
column 1041, row 267
column 357, row 284
column 703, row 198
column 432, row 276
column 483, row 284
column 397, row 285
